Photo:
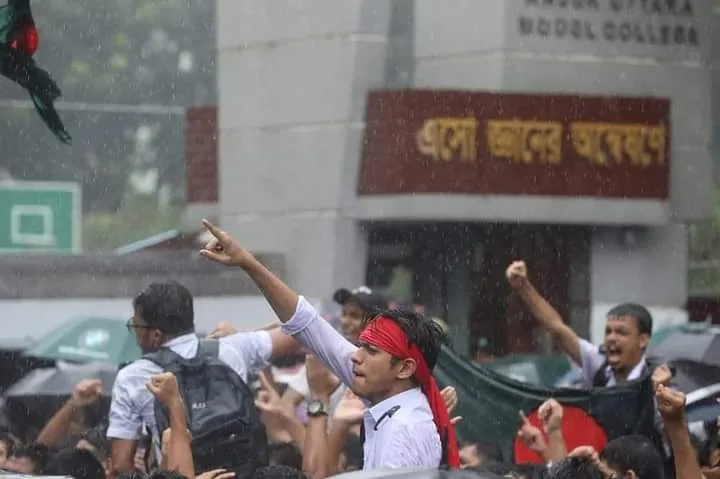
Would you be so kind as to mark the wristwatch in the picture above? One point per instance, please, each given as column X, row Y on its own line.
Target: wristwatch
column 317, row 408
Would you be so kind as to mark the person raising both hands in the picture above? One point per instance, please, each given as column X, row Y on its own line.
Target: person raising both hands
column 407, row 423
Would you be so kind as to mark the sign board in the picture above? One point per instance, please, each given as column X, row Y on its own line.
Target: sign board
column 481, row 143
column 40, row 217
column 650, row 28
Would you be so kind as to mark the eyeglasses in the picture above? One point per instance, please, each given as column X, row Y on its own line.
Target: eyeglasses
column 131, row 325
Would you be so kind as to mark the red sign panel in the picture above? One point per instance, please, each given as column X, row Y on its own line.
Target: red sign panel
column 201, row 151
column 461, row 142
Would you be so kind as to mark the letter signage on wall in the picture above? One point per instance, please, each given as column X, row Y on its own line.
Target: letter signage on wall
column 460, row 142
column 633, row 27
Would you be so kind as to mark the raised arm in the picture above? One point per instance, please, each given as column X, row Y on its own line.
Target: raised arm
column 300, row 320
column 543, row 312
column 225, row 250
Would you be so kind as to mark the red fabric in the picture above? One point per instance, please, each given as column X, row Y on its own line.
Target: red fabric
column 27, row 40
column 578, row 428
column 385, row 334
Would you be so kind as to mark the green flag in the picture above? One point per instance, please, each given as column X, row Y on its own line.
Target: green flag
column 18, row 42
column 489, row 404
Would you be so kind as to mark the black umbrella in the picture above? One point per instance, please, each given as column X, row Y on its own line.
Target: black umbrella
column 693, row 375
column 702, row 345
column 60, row 381
column 32, row 401
column 13, row 363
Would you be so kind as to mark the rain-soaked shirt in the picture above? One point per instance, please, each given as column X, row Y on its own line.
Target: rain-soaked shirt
column 399, row 431
column 132, row 403
column 592, row 360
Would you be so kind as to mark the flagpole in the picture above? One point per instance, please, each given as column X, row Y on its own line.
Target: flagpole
column 145, row 109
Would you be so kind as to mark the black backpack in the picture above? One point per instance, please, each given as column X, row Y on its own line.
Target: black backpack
column 221, row 414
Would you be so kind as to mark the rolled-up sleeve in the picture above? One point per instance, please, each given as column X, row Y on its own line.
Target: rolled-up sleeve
column 316, row 334
column 124, row 417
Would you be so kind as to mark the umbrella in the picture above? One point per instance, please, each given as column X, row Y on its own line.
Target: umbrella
column 661, row 335
column 696, row 344
column 35, row 397
column 88, row 340
column 702, row 404
column 14, row 364
column 691, row 375
column 60, row 381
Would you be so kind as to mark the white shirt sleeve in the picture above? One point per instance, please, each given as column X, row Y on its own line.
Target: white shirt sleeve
column 124, row 419
column 322, row 339
column 591, row 360
column 246, row 353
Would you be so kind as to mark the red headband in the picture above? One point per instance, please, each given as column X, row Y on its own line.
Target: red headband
column 385, row 334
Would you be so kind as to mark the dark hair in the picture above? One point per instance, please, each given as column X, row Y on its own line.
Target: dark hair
column 497, row 467
column 574, row 468
column 636, row 453
column 482, row 472
column 489, row 451
column 132, row 475
column 285, row 454
column 642, row 316
column 493, row 469
column 530, row 470
column 278, row 472
column 425, row 333
column 36, row 452
column 76, row 463
column 288, row 360
column 165, row 474
column 167, row 307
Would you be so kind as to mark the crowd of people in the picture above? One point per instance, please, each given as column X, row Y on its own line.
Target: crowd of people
column 360, row 398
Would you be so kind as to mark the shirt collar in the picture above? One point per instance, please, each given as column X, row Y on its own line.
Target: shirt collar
column 635, row 373
column 411, row 397
column 185, row 338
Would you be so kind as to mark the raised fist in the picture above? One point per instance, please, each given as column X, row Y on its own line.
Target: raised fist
column 517, row 274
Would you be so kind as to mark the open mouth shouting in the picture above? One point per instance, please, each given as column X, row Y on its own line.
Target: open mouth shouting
column 613, row 353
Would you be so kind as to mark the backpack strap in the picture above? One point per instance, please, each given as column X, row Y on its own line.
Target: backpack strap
column 600, row 378
column 208, row 349
column 169, row 360
column 164, row 357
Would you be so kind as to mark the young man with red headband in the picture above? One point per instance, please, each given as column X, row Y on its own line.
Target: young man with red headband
column 406, row 424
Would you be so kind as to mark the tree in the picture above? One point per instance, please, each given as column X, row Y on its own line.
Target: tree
column 104, row 51
column 704, row 255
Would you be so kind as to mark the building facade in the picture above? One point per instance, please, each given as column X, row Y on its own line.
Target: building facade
column 340, row 146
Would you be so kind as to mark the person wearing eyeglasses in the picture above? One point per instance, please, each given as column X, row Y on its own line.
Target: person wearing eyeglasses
column 164, row 318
